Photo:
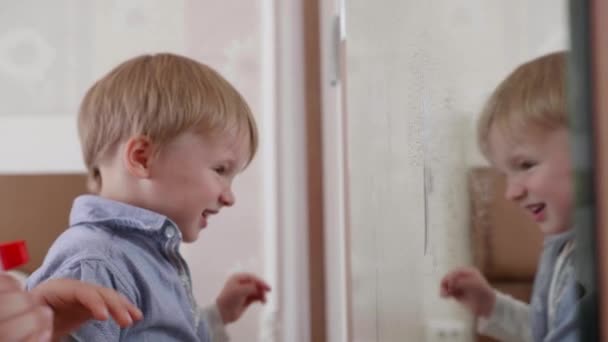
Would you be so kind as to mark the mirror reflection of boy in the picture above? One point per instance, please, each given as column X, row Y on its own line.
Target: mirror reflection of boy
column 524, row 133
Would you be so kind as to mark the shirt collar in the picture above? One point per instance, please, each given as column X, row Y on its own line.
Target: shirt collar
column 97, row 209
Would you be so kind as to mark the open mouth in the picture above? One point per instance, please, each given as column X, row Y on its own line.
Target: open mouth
column 537, row 210
column 205, row 216
column 206, row 213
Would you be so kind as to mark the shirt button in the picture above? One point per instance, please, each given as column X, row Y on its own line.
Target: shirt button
column 169, row 232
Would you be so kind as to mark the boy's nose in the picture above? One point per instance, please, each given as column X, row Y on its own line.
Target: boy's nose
column 227, row 198
column 514, row 192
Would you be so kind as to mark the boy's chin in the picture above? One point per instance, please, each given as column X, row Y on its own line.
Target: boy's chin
column 191, row 236
column 188, row 239
column 552, row 229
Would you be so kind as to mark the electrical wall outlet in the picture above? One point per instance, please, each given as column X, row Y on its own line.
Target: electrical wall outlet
column 446, row 331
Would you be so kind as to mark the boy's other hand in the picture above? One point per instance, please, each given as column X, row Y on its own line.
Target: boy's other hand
column 471, row 289
column 22, row 318
column 238, row 293
column 75, row 302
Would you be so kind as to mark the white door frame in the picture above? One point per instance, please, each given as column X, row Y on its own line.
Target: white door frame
column 284, row 145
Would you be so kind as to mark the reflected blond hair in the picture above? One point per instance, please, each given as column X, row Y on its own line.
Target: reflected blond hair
column 158, row 96
column 532, row 96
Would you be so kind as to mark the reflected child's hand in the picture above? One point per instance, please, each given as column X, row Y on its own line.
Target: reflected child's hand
column 471, row 289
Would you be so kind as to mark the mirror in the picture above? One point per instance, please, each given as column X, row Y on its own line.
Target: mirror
column 417, row 74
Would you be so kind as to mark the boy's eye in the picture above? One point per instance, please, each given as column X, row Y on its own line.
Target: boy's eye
column 220, row 170
column 526, row 165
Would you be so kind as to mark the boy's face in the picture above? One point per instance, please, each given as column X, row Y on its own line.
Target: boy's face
column 538, row 174
column 191, row 178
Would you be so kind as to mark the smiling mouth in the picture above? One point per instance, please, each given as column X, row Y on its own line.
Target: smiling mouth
column 205, row 216
column 207, row 213
column 535, row 209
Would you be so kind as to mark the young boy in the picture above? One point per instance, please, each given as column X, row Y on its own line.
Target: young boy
column 56, row 307
column 163, row 137
column 523, row 131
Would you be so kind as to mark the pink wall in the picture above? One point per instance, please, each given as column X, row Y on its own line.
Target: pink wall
column 227, row 36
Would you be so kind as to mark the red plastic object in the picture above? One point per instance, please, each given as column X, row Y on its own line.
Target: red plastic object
column 13, row 254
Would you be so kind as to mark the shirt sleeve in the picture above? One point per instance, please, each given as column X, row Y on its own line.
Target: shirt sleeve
column 509, row 320
column 94, row 272
column 565, row 322
column 212, row 319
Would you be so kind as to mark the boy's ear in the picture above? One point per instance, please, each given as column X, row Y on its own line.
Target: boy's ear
column 138, row 155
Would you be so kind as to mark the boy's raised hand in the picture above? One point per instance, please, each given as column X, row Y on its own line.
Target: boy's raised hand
column 238, row 293
column 471, row 289
column 74, row 302
column 22, row 318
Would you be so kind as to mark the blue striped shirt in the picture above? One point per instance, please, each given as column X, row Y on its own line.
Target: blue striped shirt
column 136, row 252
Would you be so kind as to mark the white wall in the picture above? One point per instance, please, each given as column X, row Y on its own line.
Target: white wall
column 417, row 74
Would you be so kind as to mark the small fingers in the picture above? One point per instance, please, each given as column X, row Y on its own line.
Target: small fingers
column 92, row 300
column 261, row 287
column 249, row 277
column 121, row 309
column 447, row 284
column 262, row 292
column 247, row 290
column 453, row 283
column 104, row 303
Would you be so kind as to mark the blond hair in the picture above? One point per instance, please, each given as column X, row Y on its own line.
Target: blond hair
column 534, row 94
column 158, row 96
